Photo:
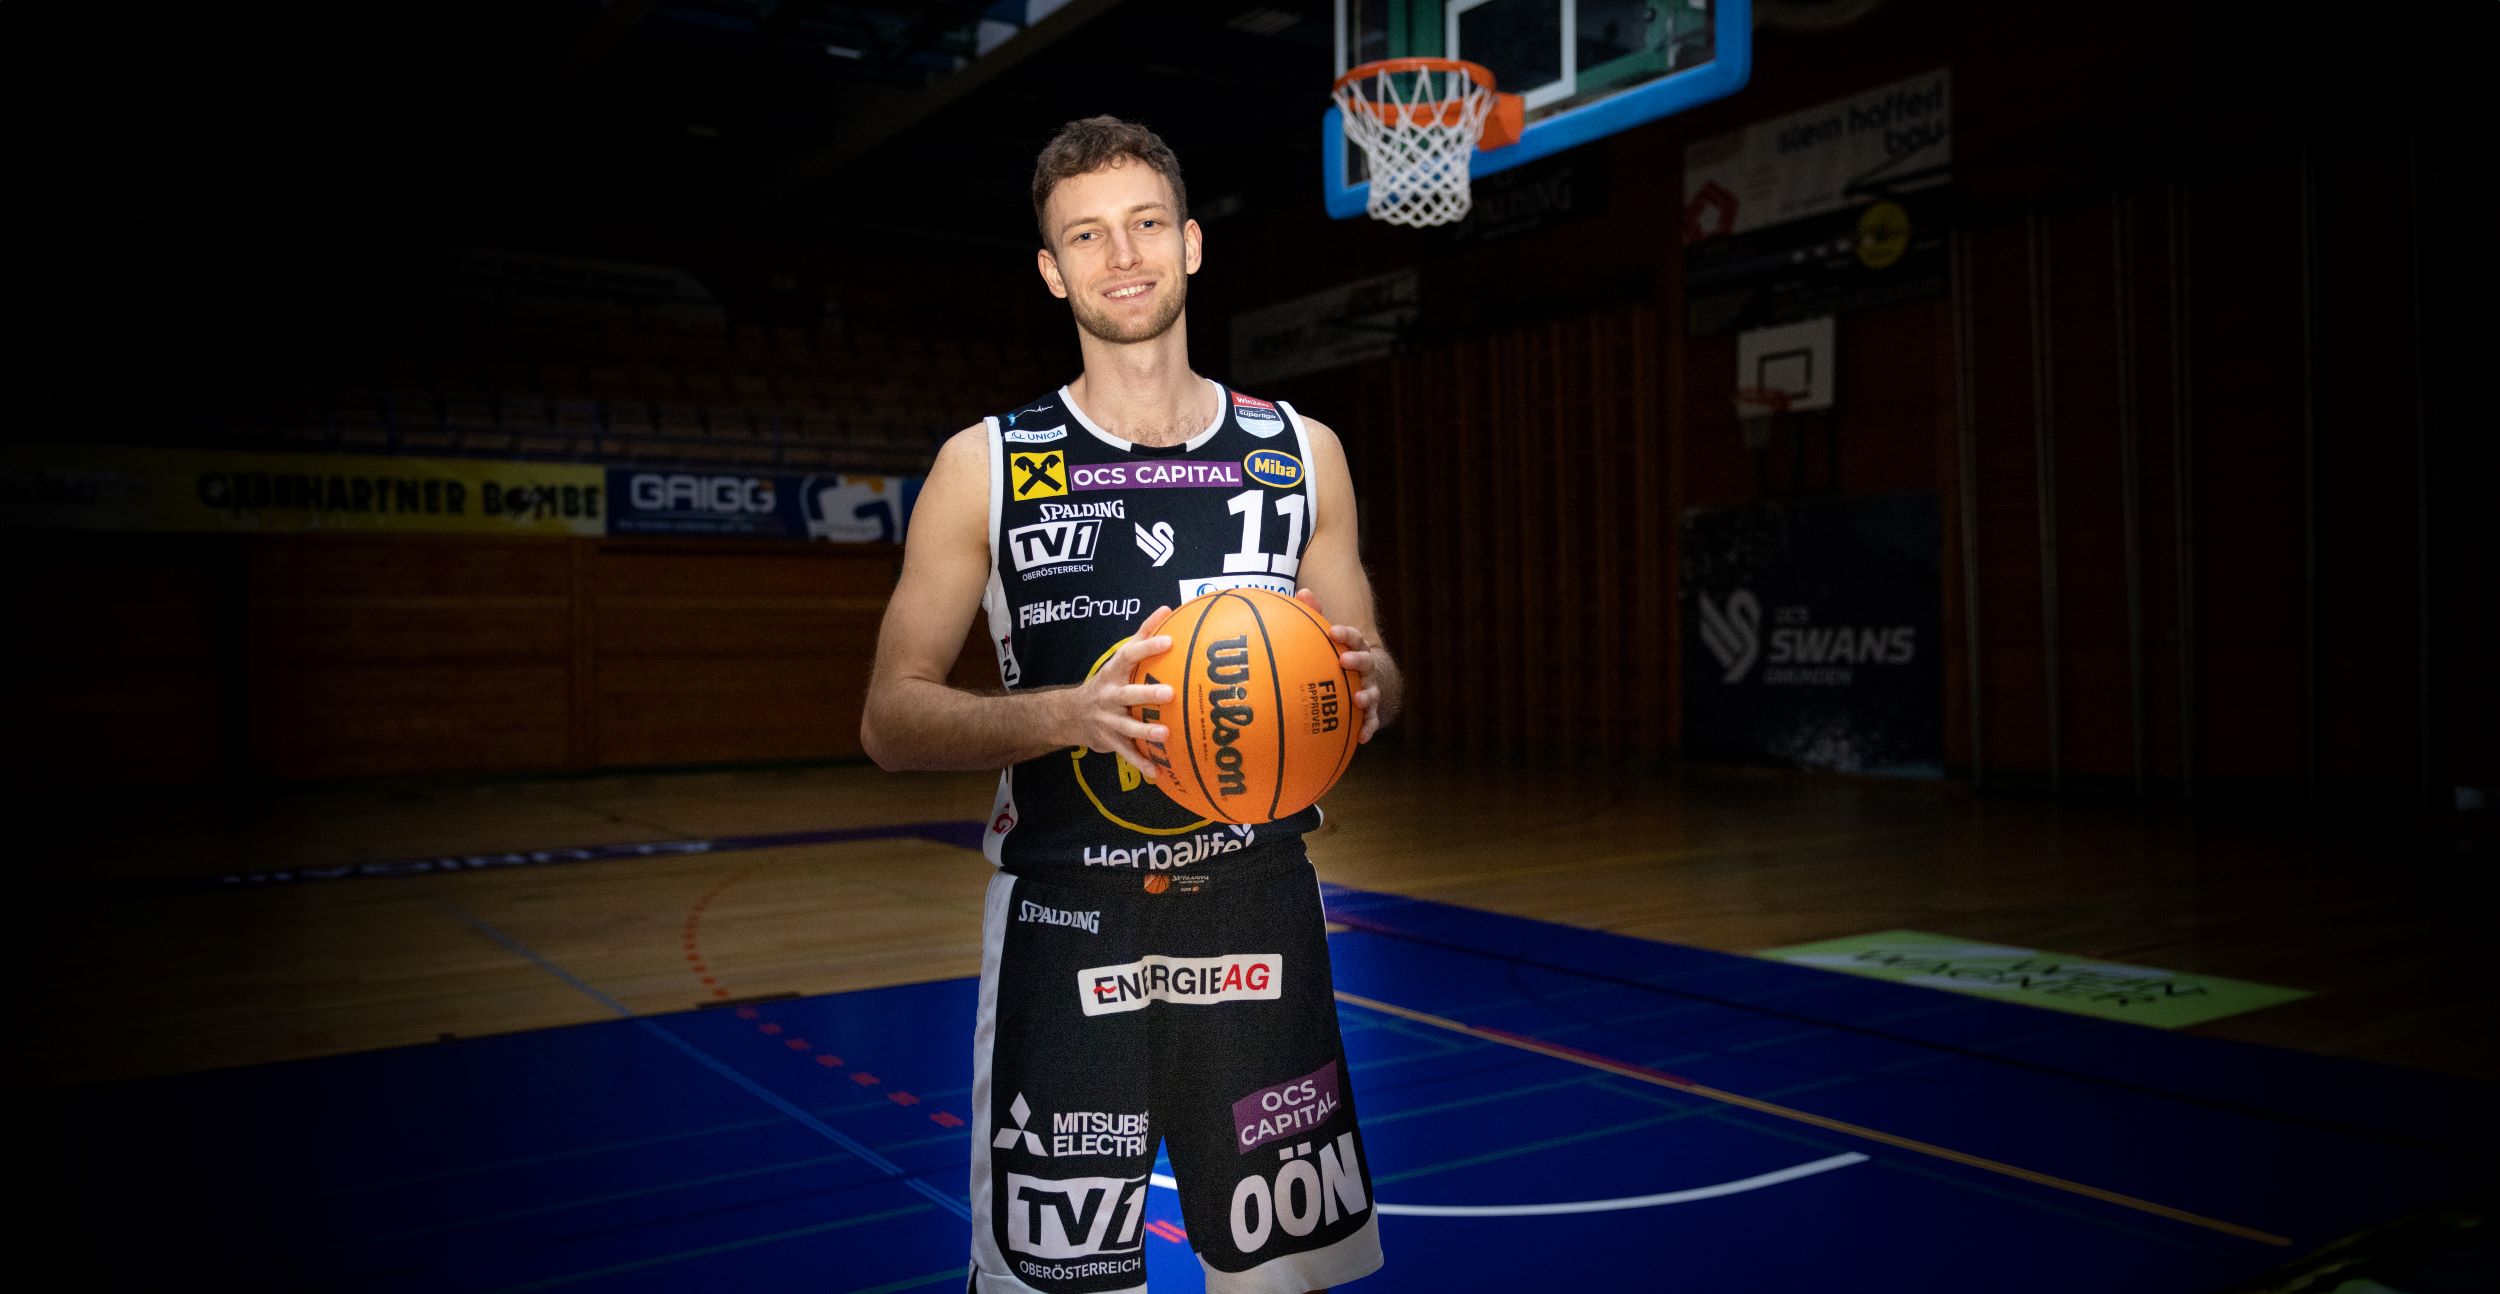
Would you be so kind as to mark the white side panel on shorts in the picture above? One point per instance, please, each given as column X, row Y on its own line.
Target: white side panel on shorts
column 1352, row 1258
column 991, row 1273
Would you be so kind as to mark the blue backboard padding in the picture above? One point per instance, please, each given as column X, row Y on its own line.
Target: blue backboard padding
column 1730, row 67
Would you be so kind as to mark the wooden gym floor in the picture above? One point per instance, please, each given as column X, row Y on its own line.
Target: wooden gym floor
column 145, row 977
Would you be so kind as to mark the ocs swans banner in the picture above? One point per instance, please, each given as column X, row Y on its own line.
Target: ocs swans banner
column 1812, row 635
column 83, row 487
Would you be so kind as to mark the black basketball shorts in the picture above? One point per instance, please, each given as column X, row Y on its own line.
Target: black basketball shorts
column 1200, row 1015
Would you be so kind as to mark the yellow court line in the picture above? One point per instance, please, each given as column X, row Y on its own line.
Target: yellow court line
column 1657, row 1079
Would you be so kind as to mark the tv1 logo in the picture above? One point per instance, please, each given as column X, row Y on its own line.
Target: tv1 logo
column 1075, row 1217
column 1053, row 541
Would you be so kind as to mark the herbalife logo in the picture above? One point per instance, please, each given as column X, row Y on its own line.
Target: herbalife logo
column 1008, row 1137
column 1156, row 543
column 1733, row 632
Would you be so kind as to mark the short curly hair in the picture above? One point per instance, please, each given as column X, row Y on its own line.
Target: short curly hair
column 1091, row 143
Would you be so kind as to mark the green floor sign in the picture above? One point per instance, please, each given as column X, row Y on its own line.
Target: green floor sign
column 2111, row 990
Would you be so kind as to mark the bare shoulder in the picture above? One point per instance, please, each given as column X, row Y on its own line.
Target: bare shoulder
column 1319, row 432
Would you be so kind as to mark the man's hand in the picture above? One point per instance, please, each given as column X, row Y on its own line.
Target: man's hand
column 1357, row 655
column 1099, row 708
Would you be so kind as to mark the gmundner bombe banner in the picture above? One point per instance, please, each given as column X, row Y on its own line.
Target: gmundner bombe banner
column 1812, row 635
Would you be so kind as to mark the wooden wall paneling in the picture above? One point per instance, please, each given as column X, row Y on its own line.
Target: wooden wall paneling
column 2179, row 230
column 115, row 670
column 1965, row 733
column 1475, row 628
column 1515, row 586
column 1427, row 422
column 375, row 656
column 2247, row 411
column 2128, row 430
column 1658, row 434
column 582, row 733
column 2014, row 680
column 2096, row 722
column 715, row 653
column 2154, row 290
column 2042, row 354
column 2367, row 566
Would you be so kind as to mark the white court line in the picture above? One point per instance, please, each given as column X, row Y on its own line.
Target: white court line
column 1601, row 1206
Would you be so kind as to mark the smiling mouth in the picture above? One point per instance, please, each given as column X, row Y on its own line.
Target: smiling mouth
column 1128, row 293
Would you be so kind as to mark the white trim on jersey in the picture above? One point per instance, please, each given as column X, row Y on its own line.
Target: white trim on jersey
column 1310, row 469
column 1223, row 406
column 1002, row 629
column 998, row 499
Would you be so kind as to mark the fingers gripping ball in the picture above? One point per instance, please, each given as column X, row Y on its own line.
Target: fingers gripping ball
column 1262, row 719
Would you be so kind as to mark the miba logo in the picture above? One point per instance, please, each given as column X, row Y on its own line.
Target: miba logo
column 1733, row 633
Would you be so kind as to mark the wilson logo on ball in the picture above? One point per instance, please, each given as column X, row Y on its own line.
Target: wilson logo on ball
column 1229, row 711
column 1257, row 726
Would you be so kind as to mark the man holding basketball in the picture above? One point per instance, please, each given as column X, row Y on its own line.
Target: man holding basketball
column 1148, row 975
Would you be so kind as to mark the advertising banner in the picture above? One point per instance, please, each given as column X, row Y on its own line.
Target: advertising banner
column 1326, row 329
column 1835, row 208
column 72, row 487
column 1812, row 635
column 2110, row 990
column 111, row 488
column 836, row 507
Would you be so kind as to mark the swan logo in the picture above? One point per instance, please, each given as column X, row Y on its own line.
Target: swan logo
column 1732, row 632
column 1156, row 543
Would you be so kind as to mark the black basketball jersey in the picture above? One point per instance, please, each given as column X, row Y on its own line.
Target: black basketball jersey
column 1088, row 533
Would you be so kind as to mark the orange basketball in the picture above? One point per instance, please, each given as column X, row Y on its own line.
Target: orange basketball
column 1262, row 718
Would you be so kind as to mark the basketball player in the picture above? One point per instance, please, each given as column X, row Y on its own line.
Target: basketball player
column 1146, row 976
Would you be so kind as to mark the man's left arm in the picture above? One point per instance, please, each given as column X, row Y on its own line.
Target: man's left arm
column 1332, row 581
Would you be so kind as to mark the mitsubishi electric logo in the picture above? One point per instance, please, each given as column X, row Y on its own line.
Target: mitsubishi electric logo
column 1733, row 633
column 1008, row 1137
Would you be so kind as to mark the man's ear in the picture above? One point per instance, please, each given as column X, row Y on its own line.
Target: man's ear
column 1196, row 244
column 1049, row 266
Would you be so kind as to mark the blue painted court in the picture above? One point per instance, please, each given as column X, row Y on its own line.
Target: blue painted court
column 1546, row 1108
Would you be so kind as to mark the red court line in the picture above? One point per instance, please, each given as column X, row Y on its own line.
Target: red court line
column 692, row 937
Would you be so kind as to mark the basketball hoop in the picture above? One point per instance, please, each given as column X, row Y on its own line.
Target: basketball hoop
column 1419, row 122
column 1759, row 407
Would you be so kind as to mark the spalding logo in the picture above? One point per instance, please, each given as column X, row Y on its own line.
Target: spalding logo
column 1273, row 467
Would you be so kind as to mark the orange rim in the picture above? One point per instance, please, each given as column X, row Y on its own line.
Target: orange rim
column 1503, row 122
column 1476, row 72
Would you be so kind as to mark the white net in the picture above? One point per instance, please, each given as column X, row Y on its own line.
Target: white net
column 1418, row 129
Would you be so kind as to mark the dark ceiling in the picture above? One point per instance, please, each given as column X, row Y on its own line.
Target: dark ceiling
column 539, row 122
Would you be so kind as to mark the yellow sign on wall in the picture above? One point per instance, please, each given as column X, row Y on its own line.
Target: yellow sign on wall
column 61, row 487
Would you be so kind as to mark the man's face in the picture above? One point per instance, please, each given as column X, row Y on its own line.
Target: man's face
column 1117, row 252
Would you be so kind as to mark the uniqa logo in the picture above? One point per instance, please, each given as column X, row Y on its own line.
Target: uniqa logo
column 1229, row 712
column 1733, row 633
column 1273, row 467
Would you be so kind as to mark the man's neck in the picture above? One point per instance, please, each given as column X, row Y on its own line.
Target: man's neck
column 1144, row 392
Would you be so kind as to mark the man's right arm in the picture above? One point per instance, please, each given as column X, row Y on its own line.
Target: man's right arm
column 913, row 718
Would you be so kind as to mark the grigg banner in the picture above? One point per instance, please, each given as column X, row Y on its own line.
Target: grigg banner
column 1812, row 635
column 835, row 507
